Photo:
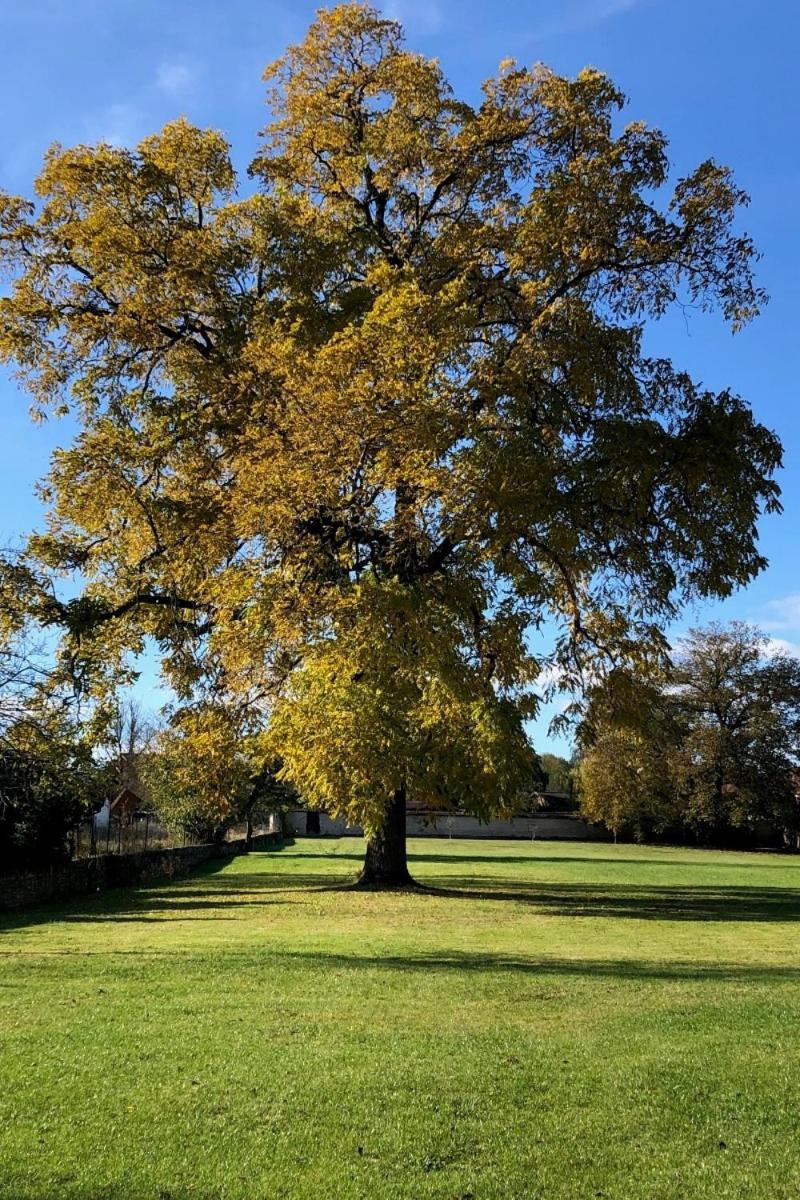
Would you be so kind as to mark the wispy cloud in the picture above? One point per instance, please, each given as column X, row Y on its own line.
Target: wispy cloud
column 783, row 613
column 577, row 16
column 776, row 646
column 119, row 125
column 550, row 677
column 417, row 15
column 175, row 77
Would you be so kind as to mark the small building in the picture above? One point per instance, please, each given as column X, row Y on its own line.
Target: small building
column 124, row 807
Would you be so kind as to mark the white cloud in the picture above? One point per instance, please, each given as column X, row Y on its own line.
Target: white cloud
column 550, row 676
column 119, row 125
column 777, row 646
column 174, row 77
column 577, row 17
column 785, row 613
column 417, row 15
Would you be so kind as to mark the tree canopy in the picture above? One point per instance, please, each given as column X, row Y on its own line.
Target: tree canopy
column 348, row 439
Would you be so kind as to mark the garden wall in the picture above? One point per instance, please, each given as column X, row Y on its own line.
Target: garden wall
column 86, row 875
column 564, row 826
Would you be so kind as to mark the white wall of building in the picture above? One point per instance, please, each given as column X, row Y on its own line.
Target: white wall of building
column 552, row 825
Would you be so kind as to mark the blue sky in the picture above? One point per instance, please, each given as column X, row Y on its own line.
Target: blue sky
column 717, row 75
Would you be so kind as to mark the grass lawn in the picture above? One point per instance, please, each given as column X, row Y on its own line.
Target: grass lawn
column 550, row 1020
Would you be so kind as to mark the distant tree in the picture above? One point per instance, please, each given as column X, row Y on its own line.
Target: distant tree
column 344, row 443
column 738, row 704
column 49, row 784
column 197, row 771
column 49, row 779
column 129, row 735
column 711, row 744
column 206, row 770
column 269, row 794
column 623, row 771
column 558, row 772
column 625, row 785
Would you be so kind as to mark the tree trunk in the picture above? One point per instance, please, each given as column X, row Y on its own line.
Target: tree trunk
column 248, row 832
column 385, row 863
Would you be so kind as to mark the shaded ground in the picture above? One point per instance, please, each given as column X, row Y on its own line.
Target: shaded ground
column 542, row 1020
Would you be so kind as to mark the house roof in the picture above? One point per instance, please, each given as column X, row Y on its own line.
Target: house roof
column 127, row 801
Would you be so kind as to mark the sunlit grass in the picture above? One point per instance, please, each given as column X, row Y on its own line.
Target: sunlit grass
column 546, row 1020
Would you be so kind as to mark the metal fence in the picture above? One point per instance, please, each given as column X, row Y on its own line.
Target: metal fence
column 145, row 832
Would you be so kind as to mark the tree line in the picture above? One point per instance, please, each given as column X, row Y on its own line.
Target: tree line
column 704, row 749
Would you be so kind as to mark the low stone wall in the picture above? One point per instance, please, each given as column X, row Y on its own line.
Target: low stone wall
column 562, row 826
column 86, row 875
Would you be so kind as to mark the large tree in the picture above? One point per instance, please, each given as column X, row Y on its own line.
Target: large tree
column 348, row 440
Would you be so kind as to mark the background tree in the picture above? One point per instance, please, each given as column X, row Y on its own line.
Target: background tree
column 558, row 772
column 739, row 708
column 198, row 772
column 130, row 734
column 624, row 784
column 50, row 781
column 205, row 771
column 347, row 442
column 709, row 745
column 625, row 742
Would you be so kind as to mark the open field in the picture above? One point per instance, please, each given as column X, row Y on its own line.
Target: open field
column 554, row 1021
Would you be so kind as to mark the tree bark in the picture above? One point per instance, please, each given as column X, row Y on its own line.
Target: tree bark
column 385, row 863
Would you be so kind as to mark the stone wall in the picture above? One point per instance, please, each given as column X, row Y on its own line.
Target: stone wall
column 86, row 875
column 566, row 826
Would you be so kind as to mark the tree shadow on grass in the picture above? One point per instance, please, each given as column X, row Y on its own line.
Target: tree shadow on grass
column 618, row 968
column 168, row 910
column 643, row 903
column 262, row 962
column 332, row 856
column 209, row 891
column 776, row 859
column 205, row 895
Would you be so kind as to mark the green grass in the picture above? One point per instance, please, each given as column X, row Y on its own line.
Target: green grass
column 548, row 1020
